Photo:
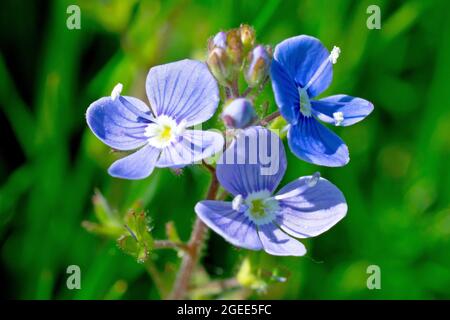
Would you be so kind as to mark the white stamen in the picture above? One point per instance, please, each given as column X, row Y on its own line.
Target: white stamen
column 116, row 91
column 334, row 55
column 338, row 118
column 237, row 203
column 180, row 128
column 314, row 179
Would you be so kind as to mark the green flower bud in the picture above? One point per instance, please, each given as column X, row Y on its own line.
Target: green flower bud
column 248, row 277
column 235, row 48
column 219, row 64
column 247, row 37
column 258, row 66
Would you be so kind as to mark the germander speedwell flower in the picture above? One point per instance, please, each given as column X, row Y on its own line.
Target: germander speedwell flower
column 181, row 94
column 256, row 218
column 302, row 69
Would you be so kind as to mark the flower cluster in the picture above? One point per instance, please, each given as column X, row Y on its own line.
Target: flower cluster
column 249, row 167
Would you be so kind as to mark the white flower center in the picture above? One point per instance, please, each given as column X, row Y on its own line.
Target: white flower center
column 261, row 207
column 163, row 131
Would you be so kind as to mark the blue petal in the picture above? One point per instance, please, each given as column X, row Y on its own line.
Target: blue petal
column 312, row 142
column 233, row 226
column 285, row 92
column 183, row 90
column 352, row 109
column 120, row 123
column 300, row 57
column 193, row 146
column 278, row 243
column 138, row 165
column 254, row 161
column 312, row 209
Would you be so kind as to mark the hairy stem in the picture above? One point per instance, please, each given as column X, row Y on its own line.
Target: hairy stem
column 235, row 88
column 194, row 246
column 247, row 92
column 268, row 118
column 167, row 244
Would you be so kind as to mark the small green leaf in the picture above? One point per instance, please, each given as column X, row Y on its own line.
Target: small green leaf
column 103, row 211
column 278, row 126
column 138, row 241
column 128, row 244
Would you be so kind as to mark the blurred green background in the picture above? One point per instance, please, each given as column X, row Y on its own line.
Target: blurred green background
column 397, row 184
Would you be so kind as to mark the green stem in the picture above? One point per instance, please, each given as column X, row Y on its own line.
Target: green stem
column 155, row 275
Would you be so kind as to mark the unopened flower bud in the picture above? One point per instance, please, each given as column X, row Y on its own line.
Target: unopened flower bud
column 247, row 37
column 219, row 65
column 234, row 48
column 258, row 66
column 239, row 114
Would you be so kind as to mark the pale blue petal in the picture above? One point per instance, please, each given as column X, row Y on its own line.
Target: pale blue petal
column 254, row 161
column 352, row 109
column 278, row 243
column 183, row 90
column 233, row 226
column 119, row 123
column 138, row 165
column 312, row 209
column 312, row 142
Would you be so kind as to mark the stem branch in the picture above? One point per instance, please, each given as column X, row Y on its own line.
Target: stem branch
column 268, row 118
column 155, row 275
column 194, row 247
column 167, row 244
column 235, row 88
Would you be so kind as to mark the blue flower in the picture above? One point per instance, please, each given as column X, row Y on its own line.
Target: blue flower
column 251, row 169
column 302, row 69
column 181, row 94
